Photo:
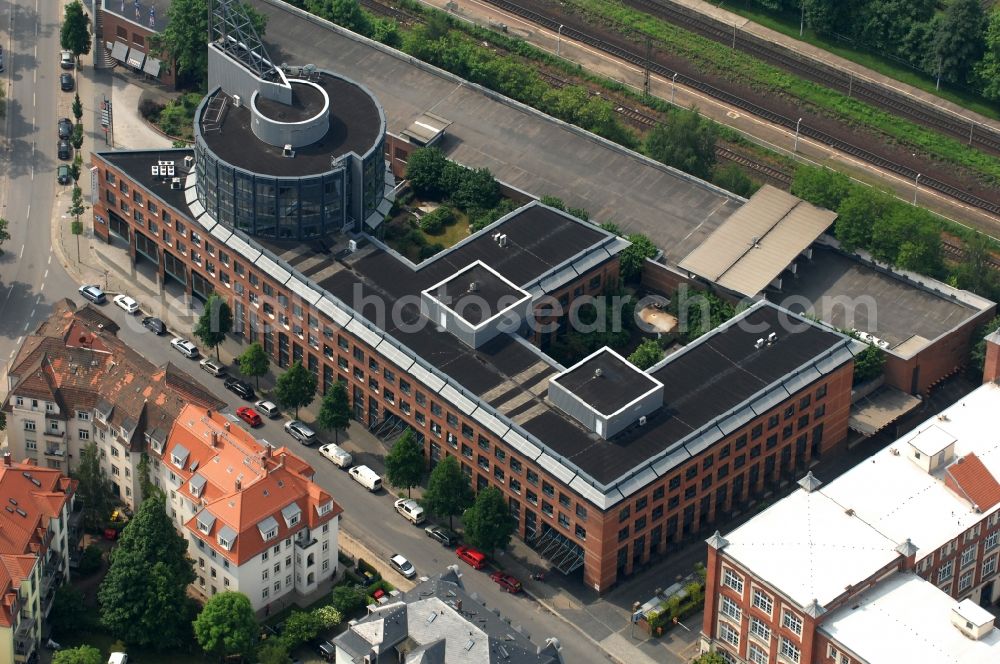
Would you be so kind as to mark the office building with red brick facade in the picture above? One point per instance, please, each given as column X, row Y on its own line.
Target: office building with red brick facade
column 892, row 561
column 604, row 466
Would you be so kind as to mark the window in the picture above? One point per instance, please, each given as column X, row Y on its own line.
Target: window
column 263, row 593
column 624, row 514
column 581, row 512
column 80, row 414
column 968, row 556
column 762, row 601
column 580, row 532
column 563, row 520
column 640, row 524
column 789, row 650
column 756, row 655
column 29, row 425
column 623, row 534
column 946, row 571
column 965, row 581
column 730, row 609
column 792, row 622
column 532, row 497
column 532, row 477
column 821, row 392
column 989, row 566
column 760, row 629
column 515, row 465
column 991, row 540
column 729, row 634
column 83, row 434
column 546, row 509
column 733, row 580
column 515, row 486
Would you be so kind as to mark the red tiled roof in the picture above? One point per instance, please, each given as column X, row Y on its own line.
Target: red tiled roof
column 269, row 481
column 971, row 478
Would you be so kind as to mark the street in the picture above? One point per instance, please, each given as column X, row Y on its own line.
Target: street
column 30, row 280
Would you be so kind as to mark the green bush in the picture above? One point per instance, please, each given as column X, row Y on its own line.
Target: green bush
column 90, row 562
column 348, row 599
column 434, row 222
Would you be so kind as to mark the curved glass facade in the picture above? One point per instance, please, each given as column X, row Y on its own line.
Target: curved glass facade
column 274, row 207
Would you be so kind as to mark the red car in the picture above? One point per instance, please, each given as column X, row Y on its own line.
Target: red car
column 506, row 581
column 249, row 415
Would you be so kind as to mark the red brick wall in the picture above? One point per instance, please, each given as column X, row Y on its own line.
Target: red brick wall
column 991, row 366
column 660, row 278
column 117, row 28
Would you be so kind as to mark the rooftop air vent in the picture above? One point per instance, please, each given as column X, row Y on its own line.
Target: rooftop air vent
column 287, row 151
column 175, row 183
column 237, row 101
column 771, row 338
column 502, row 240
column 598, row 372
column 188, row 162
column 473, row 286
column 642, row 421
column 759, row 343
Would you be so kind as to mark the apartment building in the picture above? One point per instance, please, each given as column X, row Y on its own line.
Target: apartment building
column 889, row 562
column 601, row 474
column 36, row 535
column 254, row 519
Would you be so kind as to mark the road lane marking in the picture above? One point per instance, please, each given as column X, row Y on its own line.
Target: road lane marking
column 25, row 327
column 31, row 316
column 21, row 255
column 28, row 216
column 42, row 287
column 45, row 276
column 49, row 262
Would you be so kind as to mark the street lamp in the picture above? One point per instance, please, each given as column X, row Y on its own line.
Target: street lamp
column 559, row 41
column 916, row 185
column 802, row 18
column 796, row 148
column 673, row 84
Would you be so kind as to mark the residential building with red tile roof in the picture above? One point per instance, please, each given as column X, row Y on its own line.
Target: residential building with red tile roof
column 36, row 536
column 892, row 561
column 254, row 519
column 74, row 381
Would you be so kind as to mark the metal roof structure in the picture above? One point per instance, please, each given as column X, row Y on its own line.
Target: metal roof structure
column 231, row 29
column 755, row 245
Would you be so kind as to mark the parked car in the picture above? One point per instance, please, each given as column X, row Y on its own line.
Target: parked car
column 506, row 581
column 366, row 477
column 65, row 128
column 267, row 408
column 469, row 555
column 154, row 325
column 327, row 651
column 300, row 432
column 64, row 150
column 446, row 536
column 239, row 387
column 411, row 510
column 184, row 347
column 337, row 454
column 63, row 174
column 249, row 415
column 126, row 303
column 93, row 293
column 66, row 82
column 66, row 60
column 212, row 367
column 402, row 565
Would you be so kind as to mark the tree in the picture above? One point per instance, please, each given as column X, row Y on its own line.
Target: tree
column 977, row 356
column 868, row 364
column 90, row 561
column 76, row 208
column 958, row 40
column 328, row 616
column 77, row 138
column 686, row 142
column 273, row 651
column 79, row 655
column 489, row 523
column 424, row 169
column 448, row 492
column 404, row 464
column 987, row 70
column 143, row 598
column 301, row 626
column 75, row 33
column 254, row 361
column 856, row 215
column 349, row 598
column 215, row 320
column 820, row 186
column 710, row 658
column 335, row 410
column 77, row 108
column 295, row 388
column 227, row 625
column 76, row 167
column 478, row 190
column 345, row 13
column 632, row 257
column 4, row 235
column 732, row 178
column 647, row 354
column 94, row 488
column 975, row 273
column 69, row 614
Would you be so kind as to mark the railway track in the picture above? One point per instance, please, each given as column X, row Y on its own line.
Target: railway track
column 385, row 10
column 964, row 129
column 750, row 107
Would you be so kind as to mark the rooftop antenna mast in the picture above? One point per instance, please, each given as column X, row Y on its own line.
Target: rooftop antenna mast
column 230, row 28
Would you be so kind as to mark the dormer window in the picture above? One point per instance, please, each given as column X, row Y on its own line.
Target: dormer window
column 226, row 538
column 50, row 406
column 205, row 522
column 123, row 432
column 179, row 456
column 292, row 514
column 271, row 534
column 268, row 528
column 326, row 508
column 225, row 543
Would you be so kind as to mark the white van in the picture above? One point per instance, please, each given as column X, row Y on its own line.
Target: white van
column 337, row 454
column 118, row 658
column 366, row 477
column 411, row 510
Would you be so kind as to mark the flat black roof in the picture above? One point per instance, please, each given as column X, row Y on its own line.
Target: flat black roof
column 307, row 102
column 355, row 126
column 138, row 165
column 606, row 382
column 477, row 294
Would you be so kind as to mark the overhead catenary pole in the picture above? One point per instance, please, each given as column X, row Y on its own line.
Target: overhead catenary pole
column 673, row 84
column 797, row 124
column 559, row 41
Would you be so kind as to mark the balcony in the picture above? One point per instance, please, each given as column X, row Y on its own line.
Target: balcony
column 24, row 648
column 55, row 435
column 56, row 452
column 25, row 627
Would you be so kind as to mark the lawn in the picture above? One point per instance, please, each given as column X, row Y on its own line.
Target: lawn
column 404, row 235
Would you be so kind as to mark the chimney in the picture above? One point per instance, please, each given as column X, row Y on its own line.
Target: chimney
column 6, row 458
column 208, row 413
column 215, row 439
column 239, row 484
column 991, row 363
column 458, row 605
